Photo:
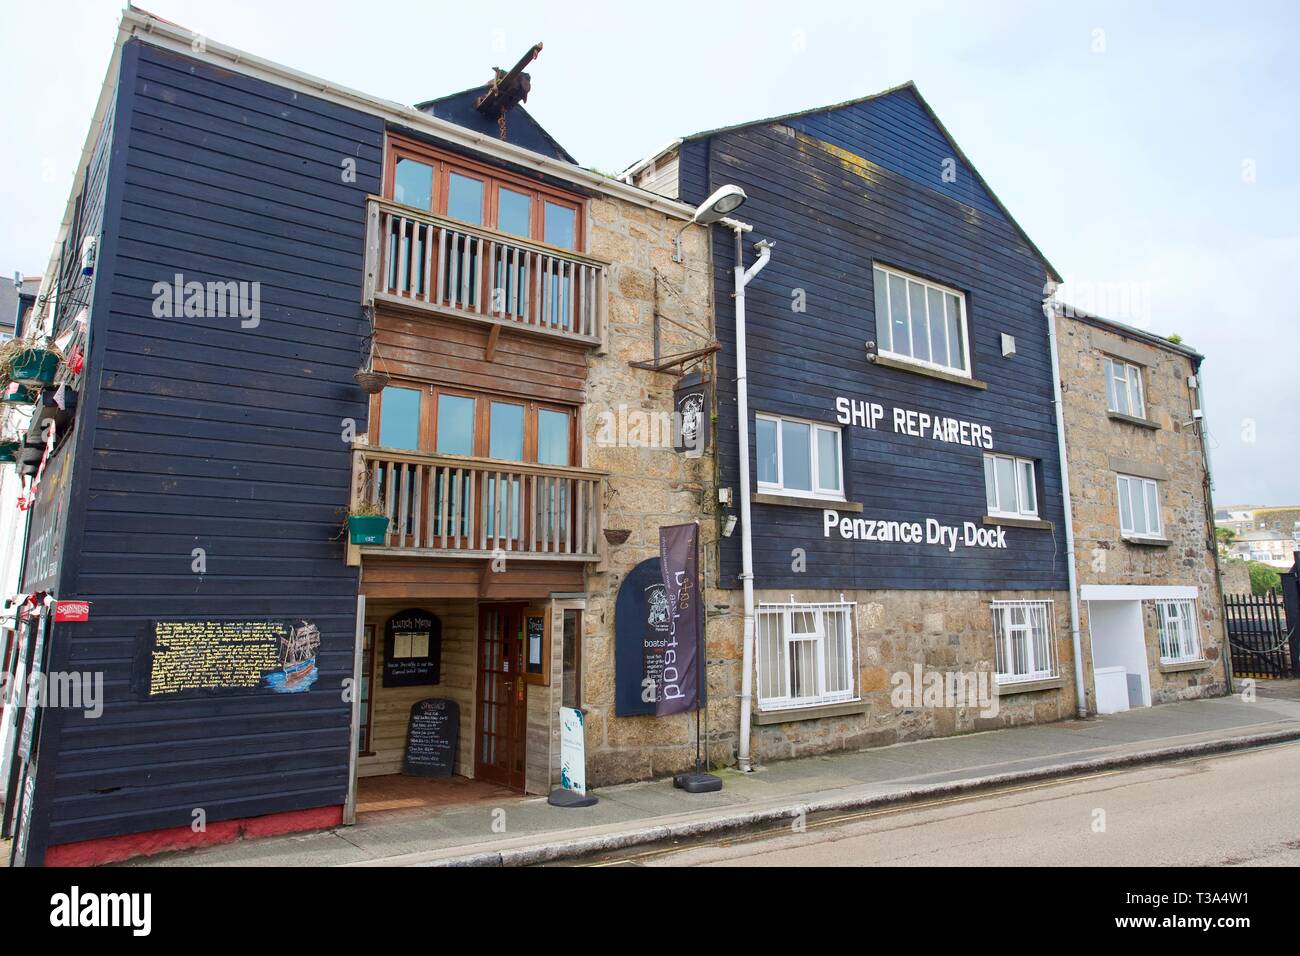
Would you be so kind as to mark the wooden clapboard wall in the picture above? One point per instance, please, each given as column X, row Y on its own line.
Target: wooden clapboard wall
column 211, row 435
column 455, row 353
column 836, row 190
column 392, row 705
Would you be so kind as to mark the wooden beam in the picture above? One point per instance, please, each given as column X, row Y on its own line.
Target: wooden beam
column 490, row 351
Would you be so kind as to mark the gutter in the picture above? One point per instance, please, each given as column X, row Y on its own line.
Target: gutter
column 1076, row 643
column 179, row 40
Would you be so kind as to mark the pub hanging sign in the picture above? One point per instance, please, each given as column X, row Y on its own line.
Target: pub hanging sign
column 412, row 649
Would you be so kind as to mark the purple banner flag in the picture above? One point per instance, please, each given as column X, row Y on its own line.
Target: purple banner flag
column 679, row 687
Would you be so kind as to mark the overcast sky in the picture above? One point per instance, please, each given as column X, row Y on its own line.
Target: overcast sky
column 1149, row 149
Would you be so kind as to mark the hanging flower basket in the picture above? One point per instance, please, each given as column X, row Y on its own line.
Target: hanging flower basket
column 18, row 395
column 9, row 451
column 34, row 366
column 373, row 375
column 372, row 383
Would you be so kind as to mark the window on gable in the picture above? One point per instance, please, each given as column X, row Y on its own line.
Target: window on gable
column 1124, row 388
column 1009, row 487
column 798, row 458
column 920, row 322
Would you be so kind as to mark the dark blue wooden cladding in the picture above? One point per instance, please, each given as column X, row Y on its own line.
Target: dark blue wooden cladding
column 208, row 434
column 836, row 191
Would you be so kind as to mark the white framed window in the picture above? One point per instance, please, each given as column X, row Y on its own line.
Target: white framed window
column 1179, row 639
column 1124, row 388
column 921, row 322
column 799, row 458
column 1139, row 507
column 1024, row 647
column 805, row 655
column 1009, row 487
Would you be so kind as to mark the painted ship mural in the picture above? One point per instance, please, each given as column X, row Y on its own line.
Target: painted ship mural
column 298, row 669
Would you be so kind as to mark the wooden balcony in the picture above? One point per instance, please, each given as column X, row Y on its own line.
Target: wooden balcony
column 451, row 506
column 415, row 259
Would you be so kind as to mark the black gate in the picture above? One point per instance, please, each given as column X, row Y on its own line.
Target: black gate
column 1258, row 633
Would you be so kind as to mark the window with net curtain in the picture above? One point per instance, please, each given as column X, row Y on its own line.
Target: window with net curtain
column 1024, row 648
column 805, row 655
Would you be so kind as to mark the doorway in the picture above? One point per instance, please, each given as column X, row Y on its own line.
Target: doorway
column 501, row 714
column 1121, row 677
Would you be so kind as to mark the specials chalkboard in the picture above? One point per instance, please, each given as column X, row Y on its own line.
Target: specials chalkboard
column 412, row 648
column 431, row 738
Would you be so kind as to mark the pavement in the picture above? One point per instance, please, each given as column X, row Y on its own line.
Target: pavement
column 527, row 830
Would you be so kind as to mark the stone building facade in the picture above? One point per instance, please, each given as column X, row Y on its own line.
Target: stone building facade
column 1143, row 519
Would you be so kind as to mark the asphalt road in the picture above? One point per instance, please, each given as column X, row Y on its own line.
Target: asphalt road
column 1233, row 810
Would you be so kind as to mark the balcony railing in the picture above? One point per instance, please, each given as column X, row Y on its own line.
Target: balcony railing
column 417, row 258
column 474, row 507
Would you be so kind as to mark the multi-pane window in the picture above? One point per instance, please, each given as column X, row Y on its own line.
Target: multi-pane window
column 798, row 458
column 920, row 321
column 805, row 655
column 1139, row 507
column 1023, row 645
column 1009, row 487
column 481, row 195
column 430, row 418
column 1124, row 388
column 1178, row 633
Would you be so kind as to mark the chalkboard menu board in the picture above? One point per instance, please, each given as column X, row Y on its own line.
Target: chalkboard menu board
column 412, row 648
column 431, row 738
column 201, row 658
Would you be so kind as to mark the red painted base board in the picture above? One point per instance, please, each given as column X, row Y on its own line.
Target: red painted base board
column 115, row 849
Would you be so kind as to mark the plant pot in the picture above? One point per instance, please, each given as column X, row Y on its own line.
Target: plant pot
column 617, row 535
column 367, row 529
column 9, row 451
column 372, row 383
column 18, row 395
column 35, row 366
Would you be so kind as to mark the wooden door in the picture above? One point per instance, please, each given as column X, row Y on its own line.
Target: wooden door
column 501, row 714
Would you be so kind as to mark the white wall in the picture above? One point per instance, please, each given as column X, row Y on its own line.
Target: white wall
column 1118, row 639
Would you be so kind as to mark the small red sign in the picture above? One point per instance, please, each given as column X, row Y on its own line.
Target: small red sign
column 71, row 611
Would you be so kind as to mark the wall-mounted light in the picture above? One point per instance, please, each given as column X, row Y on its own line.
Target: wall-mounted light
column 723, row 201
column 729, row 526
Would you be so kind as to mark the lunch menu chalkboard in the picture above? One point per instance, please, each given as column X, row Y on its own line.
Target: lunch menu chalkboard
column 431, row 738
column 412, row 648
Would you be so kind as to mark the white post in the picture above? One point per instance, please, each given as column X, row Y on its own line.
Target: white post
column 1076, row 642
column 354, row 725
column 746, row 540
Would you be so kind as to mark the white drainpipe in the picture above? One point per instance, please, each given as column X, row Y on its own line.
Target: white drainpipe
column 743, row 277
column 1049, row 310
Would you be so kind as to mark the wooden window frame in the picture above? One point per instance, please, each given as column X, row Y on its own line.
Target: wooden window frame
column 369, row 727
column 445, row 163
column 430, row 395
column 577, row 656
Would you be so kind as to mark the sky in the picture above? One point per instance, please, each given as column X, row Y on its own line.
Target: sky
column 1149, row 149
